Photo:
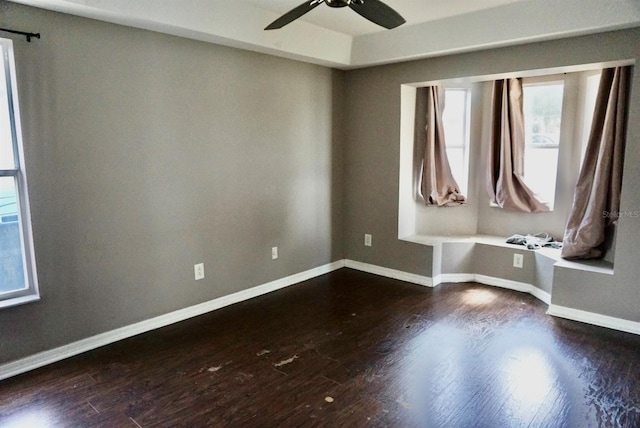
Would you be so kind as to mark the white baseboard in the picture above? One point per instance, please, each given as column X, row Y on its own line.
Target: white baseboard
column 453, row 277
column 540, row 294
column 504, row 283
column 495, row 282
column 594, row 319
column 555, row 310
column 51, row 356
column 389, row 273
column 450, row 277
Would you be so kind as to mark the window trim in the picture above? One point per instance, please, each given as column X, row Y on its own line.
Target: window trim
column 31, row 291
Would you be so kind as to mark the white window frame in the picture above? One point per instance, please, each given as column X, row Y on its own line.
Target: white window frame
column 30, row 292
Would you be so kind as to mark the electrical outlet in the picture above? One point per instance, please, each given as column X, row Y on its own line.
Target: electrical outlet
column 198, row 271
column 274, row 253
column 367, row 240
column 518, row 260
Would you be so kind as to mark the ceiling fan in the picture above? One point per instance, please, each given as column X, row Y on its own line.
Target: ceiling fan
column 373, row 10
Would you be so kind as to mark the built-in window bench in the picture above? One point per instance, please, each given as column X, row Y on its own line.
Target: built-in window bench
column 490, row 260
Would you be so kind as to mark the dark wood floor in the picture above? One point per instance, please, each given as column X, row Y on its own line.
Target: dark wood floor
column 347, row 349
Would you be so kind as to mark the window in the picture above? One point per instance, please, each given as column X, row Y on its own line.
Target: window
column 17, row 267
column 542, row 104
column 558, row 106
column 455, row 119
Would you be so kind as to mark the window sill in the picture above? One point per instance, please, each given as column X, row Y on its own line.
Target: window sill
column 16, row 301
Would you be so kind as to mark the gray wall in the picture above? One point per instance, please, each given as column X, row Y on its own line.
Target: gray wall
column 458, row 257
column 147, row 153
column 372, row 161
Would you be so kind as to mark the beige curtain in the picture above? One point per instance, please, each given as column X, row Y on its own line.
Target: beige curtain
column 505, row 172
column 437, row 185
column 596, row 201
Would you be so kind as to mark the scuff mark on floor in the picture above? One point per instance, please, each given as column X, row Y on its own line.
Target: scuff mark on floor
column 330, row 380
column 93, row 407
column 280, row 371
column 287, row 361
column 263, row 352
column 242, row 376
column 134, row 421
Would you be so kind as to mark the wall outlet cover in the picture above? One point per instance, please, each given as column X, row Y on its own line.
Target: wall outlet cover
column 198, row 270
column 518, row 260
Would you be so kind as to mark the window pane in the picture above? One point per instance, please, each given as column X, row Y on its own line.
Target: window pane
column 454, row 117
column 542, row 105
column 543, row 113
column 540, row 165
column 457, row 164
column 7, row 160
column 11, row 267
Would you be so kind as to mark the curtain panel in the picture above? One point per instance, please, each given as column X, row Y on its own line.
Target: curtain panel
column 437, row 185
column 505, row 170
column 596, row 202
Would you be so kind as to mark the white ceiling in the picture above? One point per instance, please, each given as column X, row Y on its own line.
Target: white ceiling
column 341, row 38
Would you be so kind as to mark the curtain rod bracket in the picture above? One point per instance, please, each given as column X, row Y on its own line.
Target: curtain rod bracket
column 22, row 33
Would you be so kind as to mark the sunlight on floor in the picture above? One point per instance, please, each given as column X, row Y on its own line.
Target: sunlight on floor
column 477, row 297
column 529, row 375
column 30, row 419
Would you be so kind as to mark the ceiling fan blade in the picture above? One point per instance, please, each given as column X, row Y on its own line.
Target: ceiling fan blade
column 293, row 14
column 378, row 13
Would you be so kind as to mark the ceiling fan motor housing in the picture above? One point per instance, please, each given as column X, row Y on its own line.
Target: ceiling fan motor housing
column 342, row 3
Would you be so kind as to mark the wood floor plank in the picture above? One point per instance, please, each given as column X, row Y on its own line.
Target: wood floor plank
column 347, row 349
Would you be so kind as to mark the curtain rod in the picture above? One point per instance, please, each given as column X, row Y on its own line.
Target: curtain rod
column 22, row 33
